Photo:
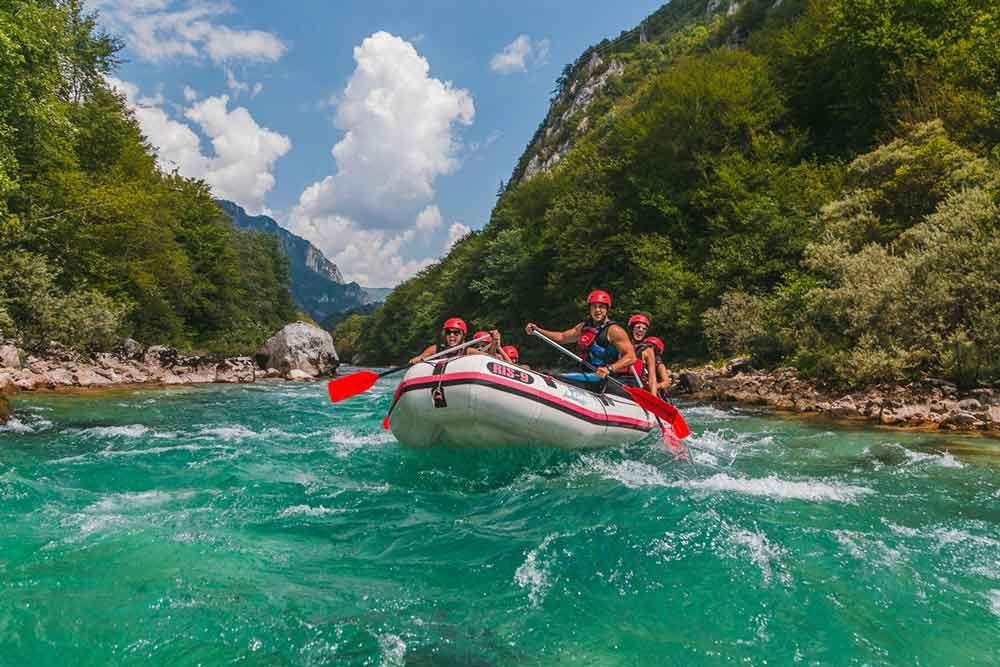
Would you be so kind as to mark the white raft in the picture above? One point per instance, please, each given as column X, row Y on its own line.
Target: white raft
column 479, row 401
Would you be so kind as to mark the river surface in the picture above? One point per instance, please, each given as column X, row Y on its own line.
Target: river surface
column 261, row 525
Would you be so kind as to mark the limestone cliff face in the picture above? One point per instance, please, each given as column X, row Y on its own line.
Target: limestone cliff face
column 586, row 87
column 318, row 287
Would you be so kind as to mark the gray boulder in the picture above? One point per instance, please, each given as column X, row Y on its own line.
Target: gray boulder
column 300, row 346
column 10, row 357
column 237, row 370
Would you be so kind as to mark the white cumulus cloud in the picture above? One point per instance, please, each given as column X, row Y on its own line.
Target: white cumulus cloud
column 158, row 30
column 429, row 219
column 520, row 54
column 400, row 128
column 243, row 155
column 456, row 232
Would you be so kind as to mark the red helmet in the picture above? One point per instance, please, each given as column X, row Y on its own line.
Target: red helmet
column 655, row 342
column 456, row 323
column 638, row 318
column 485, row 335
column 511, row 352
column 599, row 296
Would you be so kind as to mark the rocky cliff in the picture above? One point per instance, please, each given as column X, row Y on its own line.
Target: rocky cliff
column 318, row 287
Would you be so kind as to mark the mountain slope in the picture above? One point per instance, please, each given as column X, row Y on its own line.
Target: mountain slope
column 318, row 287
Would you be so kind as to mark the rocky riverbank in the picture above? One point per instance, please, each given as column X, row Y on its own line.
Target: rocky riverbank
column 298, row 352
column 927, row 404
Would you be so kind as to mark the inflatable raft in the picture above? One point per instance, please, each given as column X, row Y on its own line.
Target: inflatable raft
column 479, row 401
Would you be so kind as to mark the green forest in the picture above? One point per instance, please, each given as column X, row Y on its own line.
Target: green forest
column 811, row 182
column 95, row 241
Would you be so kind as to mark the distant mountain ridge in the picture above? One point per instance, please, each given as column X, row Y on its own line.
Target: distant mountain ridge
column 318, row 286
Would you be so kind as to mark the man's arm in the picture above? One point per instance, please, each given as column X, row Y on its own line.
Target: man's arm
column 649, row 361
column 626, row 353
column 561, row 337
column 431, row 349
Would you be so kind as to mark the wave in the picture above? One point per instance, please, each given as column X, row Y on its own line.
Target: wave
column 632, row 474
column 117, row 502
column 763, row 553
column 129, row 431
column 227, row 433
column 534, row 574
column 30, row 424
column 774, row 487
column 994, row 599
column 309, row 510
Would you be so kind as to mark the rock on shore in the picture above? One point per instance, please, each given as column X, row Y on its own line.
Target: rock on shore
column 300, row 347
column 930, row 403
column 130, row 364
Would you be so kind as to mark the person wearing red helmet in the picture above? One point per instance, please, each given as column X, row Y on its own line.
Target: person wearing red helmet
column 453, row 333
column 601, row 341
column 645, row 365
column 490, row 345
column 662, row 374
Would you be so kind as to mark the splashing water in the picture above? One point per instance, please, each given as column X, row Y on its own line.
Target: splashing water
column 263, row 525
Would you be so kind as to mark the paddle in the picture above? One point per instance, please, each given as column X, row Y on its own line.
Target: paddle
column 647, row 401
column 355, row 383
column 669, row 437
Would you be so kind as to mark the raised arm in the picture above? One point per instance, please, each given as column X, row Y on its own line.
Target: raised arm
column 561, row 337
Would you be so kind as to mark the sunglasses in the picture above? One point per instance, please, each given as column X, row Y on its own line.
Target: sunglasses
column 452, row 332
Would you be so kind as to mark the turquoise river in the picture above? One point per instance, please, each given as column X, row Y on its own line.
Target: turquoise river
column 261, row 525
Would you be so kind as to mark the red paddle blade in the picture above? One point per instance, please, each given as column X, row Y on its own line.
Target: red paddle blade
column 661, row 409
column 385, row 423
column 350, row 385
column 676, row 446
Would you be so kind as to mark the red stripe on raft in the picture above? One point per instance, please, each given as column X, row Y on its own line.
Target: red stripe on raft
column 522, row 388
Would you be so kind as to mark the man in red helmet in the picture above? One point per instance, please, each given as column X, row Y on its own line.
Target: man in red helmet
column 453, row 333
column 599, row 340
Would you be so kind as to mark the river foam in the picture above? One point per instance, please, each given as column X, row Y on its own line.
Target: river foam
column 781, row 489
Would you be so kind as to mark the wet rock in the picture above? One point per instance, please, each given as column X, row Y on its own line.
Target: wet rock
column 298, row 376
column 994, row 414
column 160, row 356
column 5, row 410
column 87, row 377
column 271, row 373
column 961, row 420
column 738, row 365
column 235, row 370
column 303, row 347
column 970, row 405
column 10, row 357
column 129, row 348
column 844, row 408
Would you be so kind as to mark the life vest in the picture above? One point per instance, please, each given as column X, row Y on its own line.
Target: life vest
column 594, row 345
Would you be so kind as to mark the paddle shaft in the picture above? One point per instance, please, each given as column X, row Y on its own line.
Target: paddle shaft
column 436, row 355
column 571, row 355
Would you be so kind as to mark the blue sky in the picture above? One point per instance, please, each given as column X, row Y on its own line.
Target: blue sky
column 429, row 105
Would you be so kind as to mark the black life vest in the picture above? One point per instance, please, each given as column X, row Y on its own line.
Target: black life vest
column 595, row 346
